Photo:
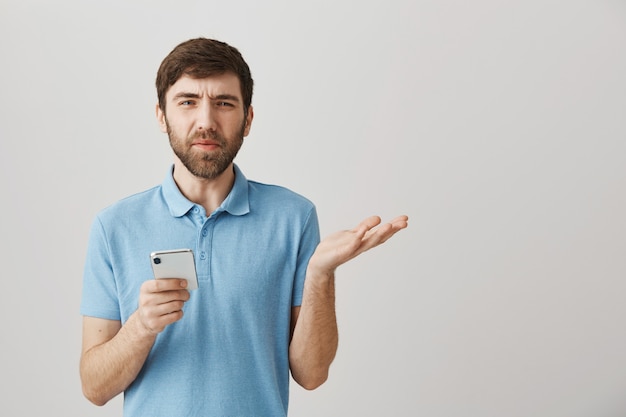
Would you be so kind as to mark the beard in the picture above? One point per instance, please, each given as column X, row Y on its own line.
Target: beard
column 202, row 164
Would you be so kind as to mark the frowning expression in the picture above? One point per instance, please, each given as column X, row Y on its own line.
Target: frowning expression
column 206, row 122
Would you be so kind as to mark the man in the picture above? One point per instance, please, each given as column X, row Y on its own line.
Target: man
column 265, row 302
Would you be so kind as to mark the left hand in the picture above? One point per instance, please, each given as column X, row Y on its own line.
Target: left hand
column 344, row 245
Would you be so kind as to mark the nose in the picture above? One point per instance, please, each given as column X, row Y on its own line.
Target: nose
column 205, row 119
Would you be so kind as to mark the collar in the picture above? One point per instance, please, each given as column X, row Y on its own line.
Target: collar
column 236, row 202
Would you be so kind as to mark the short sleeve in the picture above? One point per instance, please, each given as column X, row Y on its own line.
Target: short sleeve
column 99, row 294
column 308, row 243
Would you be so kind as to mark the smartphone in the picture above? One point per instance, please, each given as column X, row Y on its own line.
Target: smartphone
column 176, row 263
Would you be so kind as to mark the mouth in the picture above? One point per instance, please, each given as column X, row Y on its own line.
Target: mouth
column 206, row 145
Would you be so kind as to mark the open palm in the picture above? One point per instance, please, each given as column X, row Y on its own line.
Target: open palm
column 340, row 247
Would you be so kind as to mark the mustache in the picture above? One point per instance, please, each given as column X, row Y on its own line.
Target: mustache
column 208, row 134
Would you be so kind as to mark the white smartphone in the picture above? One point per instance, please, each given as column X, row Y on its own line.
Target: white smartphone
column 176, row 263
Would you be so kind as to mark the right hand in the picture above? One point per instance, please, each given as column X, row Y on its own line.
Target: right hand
column 161, row 303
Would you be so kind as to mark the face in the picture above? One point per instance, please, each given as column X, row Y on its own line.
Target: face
column 205, row 121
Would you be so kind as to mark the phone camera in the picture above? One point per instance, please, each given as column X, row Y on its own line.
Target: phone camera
column 157, row 260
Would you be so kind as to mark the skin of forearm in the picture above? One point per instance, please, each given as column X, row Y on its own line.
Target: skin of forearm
column 315, row 339
column 109, row 368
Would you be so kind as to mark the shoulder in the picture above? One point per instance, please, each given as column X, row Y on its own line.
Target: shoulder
column 131, row 206
column 278, row 195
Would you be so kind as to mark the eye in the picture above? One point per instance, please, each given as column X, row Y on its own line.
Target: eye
column 224, row 104
column 186, row 103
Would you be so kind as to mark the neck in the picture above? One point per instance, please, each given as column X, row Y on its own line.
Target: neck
column 208, row 193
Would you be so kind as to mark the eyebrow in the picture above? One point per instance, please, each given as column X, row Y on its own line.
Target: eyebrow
column 184, row 94
column 225, row 97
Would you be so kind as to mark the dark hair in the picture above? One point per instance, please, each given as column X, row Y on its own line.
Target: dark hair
column 201, row 58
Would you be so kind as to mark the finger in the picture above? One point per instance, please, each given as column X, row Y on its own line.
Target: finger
column 402, row 218
column 400, row 222
column 168, row 308
column 164, row 302
column 391, row 227
column 156, row 321
column 161, row 309
column 366, row 225
column 377, row 236
column 380, row 235
column 164, row 284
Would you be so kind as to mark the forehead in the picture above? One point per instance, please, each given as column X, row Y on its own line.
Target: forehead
column 220, row 84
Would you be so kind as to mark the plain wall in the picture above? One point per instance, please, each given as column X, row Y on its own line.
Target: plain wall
column 498, row 127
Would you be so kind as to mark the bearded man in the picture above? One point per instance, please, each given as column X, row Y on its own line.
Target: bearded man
column 265, row 305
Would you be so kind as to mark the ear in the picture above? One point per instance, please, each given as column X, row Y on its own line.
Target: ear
column 249, row 118
column 161, row 119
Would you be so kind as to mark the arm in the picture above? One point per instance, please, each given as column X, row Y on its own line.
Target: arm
column 112, row 354
column 315, row 337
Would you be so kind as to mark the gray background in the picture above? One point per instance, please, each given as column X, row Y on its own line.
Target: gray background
column 498, row 127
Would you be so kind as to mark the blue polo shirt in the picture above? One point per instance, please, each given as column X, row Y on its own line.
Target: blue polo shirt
column 228, row 355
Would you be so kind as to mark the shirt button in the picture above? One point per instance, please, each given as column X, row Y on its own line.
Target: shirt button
column 204, row 232
column 203, row 255
column 195, row 209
